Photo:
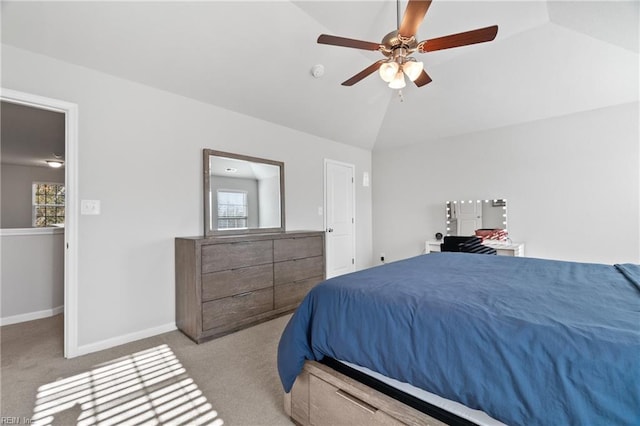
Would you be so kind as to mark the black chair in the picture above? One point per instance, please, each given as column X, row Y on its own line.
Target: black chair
column 466, row 245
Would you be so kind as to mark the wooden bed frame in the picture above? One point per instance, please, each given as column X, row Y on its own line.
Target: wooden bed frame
column 324, row 396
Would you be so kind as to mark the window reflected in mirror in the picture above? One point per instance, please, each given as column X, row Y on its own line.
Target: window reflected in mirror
column 232, row 209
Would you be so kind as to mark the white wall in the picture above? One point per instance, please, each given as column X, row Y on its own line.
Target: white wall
column 16, row 192
column 31, row 274
column 571, row 184
column 140, row 154
column 269, row 207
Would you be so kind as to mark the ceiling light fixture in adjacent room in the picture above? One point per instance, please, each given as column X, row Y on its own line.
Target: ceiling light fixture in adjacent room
column 56, row 164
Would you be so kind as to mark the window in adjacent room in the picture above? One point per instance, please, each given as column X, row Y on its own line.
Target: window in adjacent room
column 232, row 209
column 48, row 204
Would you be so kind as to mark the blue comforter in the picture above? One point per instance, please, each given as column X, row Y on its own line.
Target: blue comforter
column 528, row 341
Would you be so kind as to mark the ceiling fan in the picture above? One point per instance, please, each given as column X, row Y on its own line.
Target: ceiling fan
column 399, row 45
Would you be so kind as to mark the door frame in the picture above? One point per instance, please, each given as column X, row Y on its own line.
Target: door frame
column 328, row 161
column 70, row 111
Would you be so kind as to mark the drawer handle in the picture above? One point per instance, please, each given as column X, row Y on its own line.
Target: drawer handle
column 357, row 401
column 245, row 294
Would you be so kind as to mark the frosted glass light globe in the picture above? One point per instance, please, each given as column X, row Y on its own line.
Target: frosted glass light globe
column 388, row 71
column 413, row 69
column 398, row 81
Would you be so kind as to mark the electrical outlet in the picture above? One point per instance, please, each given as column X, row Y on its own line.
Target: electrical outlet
column 382, row 257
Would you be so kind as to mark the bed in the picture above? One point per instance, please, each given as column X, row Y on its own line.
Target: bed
column 526, row 341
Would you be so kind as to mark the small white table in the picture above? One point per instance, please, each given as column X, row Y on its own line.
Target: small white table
column 503, row 248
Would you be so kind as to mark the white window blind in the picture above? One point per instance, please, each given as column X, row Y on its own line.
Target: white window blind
column 232, row 209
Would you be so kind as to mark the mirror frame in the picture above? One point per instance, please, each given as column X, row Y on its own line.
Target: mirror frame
column 208, row 231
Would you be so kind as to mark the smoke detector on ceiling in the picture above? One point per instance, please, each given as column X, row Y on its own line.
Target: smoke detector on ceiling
column 317, row 71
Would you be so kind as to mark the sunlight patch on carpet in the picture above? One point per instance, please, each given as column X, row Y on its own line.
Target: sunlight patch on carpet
column 148, row 387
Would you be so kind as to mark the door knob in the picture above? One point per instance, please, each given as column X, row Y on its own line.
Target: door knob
column 330, row 230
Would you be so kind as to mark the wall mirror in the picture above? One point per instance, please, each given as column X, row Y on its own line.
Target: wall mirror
column 242, row 194
column 464, row 217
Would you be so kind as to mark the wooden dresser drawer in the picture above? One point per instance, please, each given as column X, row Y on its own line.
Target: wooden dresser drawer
column 296, row 270
column 292, row 293
column 220, row 257
column 329, row 405
column 297, row 248
column 244, row 305
column 217, row 285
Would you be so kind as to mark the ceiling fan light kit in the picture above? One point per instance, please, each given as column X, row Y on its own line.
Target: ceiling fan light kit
column 391, row 70
column 398, row 81
column 398, row 46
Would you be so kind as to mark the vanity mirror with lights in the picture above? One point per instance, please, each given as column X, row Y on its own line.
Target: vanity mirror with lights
column 464, row 217
column 247, row 268
column 486, row 218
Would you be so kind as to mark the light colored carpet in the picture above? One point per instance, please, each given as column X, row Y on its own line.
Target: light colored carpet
column 165, row 379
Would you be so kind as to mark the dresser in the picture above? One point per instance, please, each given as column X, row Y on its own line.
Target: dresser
column 502, row 248
column 227, row 283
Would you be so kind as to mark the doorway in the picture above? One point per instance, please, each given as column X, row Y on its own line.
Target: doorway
column 469, row 217
column 339, row 207
column 70, row 112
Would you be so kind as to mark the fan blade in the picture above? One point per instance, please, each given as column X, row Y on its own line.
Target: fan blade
column 461, row 39
column 413, row 17
column 364, row 73
column 347, row 42
column 422, row 79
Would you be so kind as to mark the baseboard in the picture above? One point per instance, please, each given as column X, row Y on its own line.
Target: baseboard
column 126, row 338
column 30, row 316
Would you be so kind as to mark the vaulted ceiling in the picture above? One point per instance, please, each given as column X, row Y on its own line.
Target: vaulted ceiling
column 549, row 59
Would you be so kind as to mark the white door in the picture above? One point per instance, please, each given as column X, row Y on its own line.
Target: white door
column 339, row 207
column 469, row 217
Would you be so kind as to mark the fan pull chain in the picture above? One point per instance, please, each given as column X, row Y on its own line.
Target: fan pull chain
column 400, row 96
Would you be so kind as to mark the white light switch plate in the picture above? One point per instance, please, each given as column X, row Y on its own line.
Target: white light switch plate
column 365, row 179
column 90, row 207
